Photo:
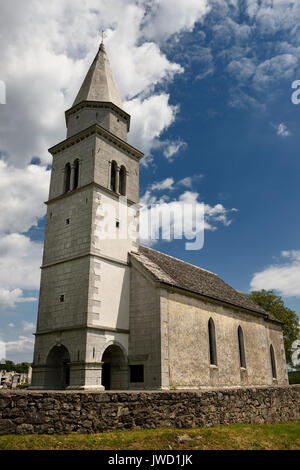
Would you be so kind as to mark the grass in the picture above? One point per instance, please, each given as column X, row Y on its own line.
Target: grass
column 283, row 436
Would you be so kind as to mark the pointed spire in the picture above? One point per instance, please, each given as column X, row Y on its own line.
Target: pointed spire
column 99, row 84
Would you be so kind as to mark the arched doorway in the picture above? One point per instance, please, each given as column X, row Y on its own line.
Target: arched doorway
column 58, row 368
column 114, row 369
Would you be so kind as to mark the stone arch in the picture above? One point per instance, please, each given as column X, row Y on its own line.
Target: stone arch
column 57, row 375
column 114, row 367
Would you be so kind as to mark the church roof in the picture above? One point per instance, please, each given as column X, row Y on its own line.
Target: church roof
column 177, row 273
column 99, row 83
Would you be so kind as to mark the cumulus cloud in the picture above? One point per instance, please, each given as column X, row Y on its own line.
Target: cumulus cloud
column 19, row 349
column 150, row 117
column 44, row 60
column 173, row 149
column 19, row 268
column 23, row 344
column 162, row 185
column 167, row 17
column 28, row 326
column 9, row 298
column 184, row 216
column 282, row 130
column 283, row 277
column 22, row 196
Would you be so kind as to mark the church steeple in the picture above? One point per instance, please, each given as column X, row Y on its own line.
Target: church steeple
column 98, row 101
column 99, row 84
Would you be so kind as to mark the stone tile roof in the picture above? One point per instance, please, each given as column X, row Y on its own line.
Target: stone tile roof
column 177, row 273
column 99, row 84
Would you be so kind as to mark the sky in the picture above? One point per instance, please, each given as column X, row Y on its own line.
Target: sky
column 211, row 86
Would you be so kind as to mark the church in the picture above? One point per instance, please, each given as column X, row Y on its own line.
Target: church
column 116, row 315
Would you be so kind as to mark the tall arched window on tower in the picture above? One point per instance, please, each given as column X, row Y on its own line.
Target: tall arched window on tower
column 67, row 181
column 76, row 174
column 212, row 343
column 113, row 177
column 273, row 363
column 122, row 189
column 241, row 347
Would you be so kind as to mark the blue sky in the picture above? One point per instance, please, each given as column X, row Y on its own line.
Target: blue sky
column 209, row 88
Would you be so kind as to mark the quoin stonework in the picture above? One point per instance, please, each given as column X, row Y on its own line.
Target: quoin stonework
column 116, row 315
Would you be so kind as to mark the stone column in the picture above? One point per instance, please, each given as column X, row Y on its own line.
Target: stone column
column 38, row 377
column 85, row 376
column 118, row 180
column 72, row 177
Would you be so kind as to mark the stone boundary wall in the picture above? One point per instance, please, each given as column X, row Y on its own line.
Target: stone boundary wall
column 29, row 412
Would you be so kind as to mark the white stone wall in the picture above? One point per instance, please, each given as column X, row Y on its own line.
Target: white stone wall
column 188, row 343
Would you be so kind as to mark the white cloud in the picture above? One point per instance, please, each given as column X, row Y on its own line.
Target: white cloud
column 9, row 298
column 282, row 130
column 19, row 268
column 40, row 39
column 160, row 208
column 167, row 17
column 189, row 180
column 23, row 344
column 27, row 326
column 22, row 196
column 11, row 325
column 284, row 278
column 150, row 117
column 165, row 184
column 173, row 148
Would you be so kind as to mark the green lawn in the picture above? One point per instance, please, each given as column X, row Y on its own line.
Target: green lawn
column 285, row 436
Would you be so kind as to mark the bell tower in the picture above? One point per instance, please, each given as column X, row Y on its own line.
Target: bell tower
column 85, row 282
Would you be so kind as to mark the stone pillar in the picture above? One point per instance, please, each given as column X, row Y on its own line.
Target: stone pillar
column 72, row 177
column 85, row 376
column 38, row 377
column 118, row 180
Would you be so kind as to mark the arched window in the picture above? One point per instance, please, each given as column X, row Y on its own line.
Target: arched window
column 273, row 363
column 122, row 188
column 113, row 177
column 212, row 342
column 67, row 182
column 241, row 348
column 76, row 174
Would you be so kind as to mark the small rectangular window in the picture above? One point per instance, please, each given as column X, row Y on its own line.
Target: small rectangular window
column 137, row 373
column 118, row 224
column 68, row 221
column 62, row 298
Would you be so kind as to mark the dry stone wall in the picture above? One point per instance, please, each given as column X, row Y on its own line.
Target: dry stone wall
column 25, row 412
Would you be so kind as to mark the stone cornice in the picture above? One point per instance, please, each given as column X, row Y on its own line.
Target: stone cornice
column 81, row 327
column 85, row 255
column 97, row 130
column 82, row 188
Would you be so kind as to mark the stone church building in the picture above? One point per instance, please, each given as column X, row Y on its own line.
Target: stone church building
column 116, row 315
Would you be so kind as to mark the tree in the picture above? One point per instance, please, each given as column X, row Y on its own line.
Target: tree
column 274, row 305
column 10, row 366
